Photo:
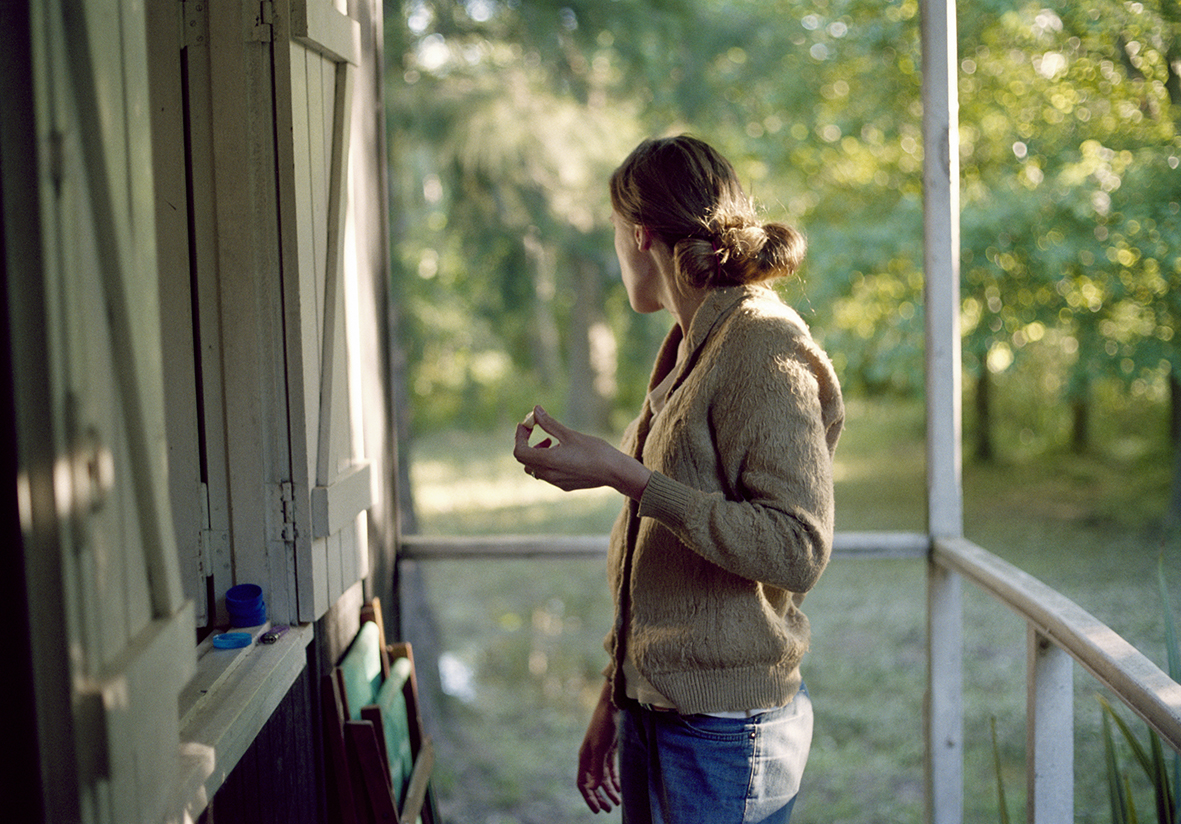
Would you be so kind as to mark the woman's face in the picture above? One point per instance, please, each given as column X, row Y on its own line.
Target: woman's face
column 640, row 278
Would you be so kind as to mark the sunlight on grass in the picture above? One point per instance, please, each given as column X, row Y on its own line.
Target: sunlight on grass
column 438, row 493
column 522, row 640
column 470, row 484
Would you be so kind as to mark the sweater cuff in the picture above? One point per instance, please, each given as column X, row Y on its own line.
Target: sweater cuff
column 665, row 500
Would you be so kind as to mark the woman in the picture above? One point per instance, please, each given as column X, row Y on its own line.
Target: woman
column 729, row 511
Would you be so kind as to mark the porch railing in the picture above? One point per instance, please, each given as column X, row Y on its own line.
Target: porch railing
column 1059, row 633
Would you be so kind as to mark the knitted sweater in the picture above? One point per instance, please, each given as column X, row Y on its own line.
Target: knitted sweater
column 709, row 568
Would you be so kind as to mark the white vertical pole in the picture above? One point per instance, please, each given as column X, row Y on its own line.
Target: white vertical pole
column 941, row 207
column 1049, row 760
column 944, row 727
column 941, row 261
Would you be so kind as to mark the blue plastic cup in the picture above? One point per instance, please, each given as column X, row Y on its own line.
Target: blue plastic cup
column 245, row 604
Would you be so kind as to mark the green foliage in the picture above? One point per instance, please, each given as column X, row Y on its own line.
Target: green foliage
column 506, row 118
column 1070, row 150
column 1165, row 783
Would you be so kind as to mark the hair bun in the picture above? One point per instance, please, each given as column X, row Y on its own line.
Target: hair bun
column 690, row 197
column 751, row 251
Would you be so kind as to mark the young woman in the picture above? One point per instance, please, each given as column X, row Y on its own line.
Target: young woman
column 729, row 513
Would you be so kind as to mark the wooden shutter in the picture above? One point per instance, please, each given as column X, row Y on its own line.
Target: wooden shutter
column 316, row 49
column 128, row 626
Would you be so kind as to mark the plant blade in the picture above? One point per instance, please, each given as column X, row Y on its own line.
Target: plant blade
column 1000, row 785
column 1173, row 653
column 1160, row 781
column 1129, row 736
column 1172, row 646
column 1115, row 787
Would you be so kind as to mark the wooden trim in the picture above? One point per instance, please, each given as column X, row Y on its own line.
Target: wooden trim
column 1139, row 683
column 314, row 79
column 133, row 339
column 224, row 707
column 178, row 363
column 334, row 396
column 941, row 265
column 864, row 545
column 943, row 717
column 318, row 25
column 1049, row 731
column 337, row 505
column 943, row 745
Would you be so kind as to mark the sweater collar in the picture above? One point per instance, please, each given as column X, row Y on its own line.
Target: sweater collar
column 718, row 305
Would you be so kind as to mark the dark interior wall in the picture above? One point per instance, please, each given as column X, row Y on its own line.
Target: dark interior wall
column 281, row 778
column 21, row 777
column 34, row 686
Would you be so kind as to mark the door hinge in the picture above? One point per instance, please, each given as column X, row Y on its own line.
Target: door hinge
column 194, row 23
column 263, row 31
column 284, row 529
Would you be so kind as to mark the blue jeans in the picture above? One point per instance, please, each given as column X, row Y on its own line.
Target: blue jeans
column 687, row 769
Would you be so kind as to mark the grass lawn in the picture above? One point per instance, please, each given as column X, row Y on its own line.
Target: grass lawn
column 519, row 643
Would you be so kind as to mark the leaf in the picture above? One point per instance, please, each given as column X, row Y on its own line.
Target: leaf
column 1000, row 784
column 1172, row 647
column 1115, row 787
column 1137, row 747
column 1160, row 782
column 1173, row 651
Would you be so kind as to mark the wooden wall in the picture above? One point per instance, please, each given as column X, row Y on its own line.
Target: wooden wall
column 281, row 778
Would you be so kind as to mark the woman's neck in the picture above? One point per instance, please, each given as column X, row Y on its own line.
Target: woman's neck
column 680, row 300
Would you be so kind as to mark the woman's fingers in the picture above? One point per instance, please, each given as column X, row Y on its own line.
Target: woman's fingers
column 525, row 453
column 598, row 774
column 521, row 442
column 568, row 459
column 549, row 424
column 600, row 796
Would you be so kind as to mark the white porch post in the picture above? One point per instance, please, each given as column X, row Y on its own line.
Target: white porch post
column 941, row 210
column 1049, row 749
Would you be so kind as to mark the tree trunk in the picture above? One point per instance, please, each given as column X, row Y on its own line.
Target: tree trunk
column 1080, row 423
column 1174, row 406
column 984, row 450
column 546, row 356
column 1080, row 412
column 1173, row 515
column 592, row 353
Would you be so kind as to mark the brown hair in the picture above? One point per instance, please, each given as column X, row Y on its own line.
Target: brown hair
column 688, row 195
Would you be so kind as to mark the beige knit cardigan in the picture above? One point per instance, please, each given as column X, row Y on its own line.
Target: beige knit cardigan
column 709, row 568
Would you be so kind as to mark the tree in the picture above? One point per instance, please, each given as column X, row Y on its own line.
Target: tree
column 1068, row 129
column 508, row 117
column 506, row 138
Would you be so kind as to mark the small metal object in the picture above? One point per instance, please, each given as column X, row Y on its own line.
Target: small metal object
column 273, row 634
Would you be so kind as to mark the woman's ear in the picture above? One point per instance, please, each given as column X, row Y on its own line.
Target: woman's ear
column 643, row 238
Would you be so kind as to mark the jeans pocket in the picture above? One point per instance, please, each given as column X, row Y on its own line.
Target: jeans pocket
column 712, row 728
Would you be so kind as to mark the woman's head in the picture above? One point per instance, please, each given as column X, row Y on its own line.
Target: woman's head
column 689, row 196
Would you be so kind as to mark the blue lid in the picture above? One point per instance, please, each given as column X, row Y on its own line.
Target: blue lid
column 232, row 640
column 245, row 594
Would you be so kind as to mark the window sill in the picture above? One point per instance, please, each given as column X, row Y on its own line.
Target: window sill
column 225, row 705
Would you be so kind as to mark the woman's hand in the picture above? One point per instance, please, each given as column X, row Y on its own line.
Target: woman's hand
column 569, row 459
column 598, row 771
